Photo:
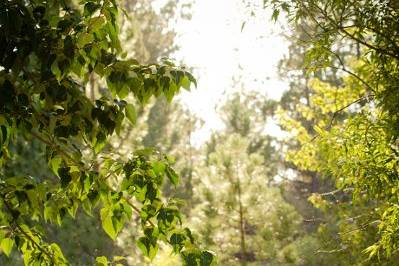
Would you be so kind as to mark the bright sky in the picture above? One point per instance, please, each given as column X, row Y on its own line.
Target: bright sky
column 213, row 44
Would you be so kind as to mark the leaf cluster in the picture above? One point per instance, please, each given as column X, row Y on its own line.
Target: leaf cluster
column 48, row 51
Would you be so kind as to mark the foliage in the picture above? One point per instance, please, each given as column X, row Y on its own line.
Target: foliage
column 347, row 130
column 48, row 50
column 88, row 242
column 160, row 124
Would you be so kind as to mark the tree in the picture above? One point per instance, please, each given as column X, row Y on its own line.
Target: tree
column 48, row 51
column 89, row 242
column 259, row 223
column 240, row 210
column 355, row 121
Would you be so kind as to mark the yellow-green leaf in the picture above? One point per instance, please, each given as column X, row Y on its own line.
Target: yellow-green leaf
column 185, row 82
column 6, row 245
column 130, row 112
column 101, row 261
column 107, row 224
column 55, row 164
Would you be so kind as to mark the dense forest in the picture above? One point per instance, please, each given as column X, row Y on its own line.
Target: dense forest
column 99, row 163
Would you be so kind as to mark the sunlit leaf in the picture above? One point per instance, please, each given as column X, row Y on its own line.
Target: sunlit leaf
column 131, row 113
column 6, row 245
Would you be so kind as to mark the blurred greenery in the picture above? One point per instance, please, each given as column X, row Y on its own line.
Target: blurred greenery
column 325, row 193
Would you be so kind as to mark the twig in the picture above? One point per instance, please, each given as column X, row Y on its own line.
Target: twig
column 137, row 210
column 345, row 107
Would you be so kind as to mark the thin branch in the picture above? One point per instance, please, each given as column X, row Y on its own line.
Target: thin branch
column 366, row 97
column 330, row 251
column 53, row 145
column 313, row 220
column 375, row 48
column 361, row 228
column 137, row 210
column 333, row 192
column 351, row 36
column 354, row 75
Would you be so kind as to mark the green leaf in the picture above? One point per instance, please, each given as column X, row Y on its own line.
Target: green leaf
column 170, row 159
column 148, row 246
column 207, row 259
column 87, row 207
column 96, row 23
column 130, row 112
column 168, row 217
column 6, row 245
column 59, row 258
column 84, row 39
column 90, row 8
column 101, row 261
column 158, row 167
column 176, row 240
column 123, row 92
column 65, row 176
column 55, row 164
column 56, row 70
column 191, row 78
column 27, row 257
column 185, row 82
column 118, row 258
column 108, row 226
column 100, row 141
column 113, row 220
column 173, row 177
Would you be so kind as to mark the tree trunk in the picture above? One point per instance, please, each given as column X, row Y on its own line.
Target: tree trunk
column 242, row 227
